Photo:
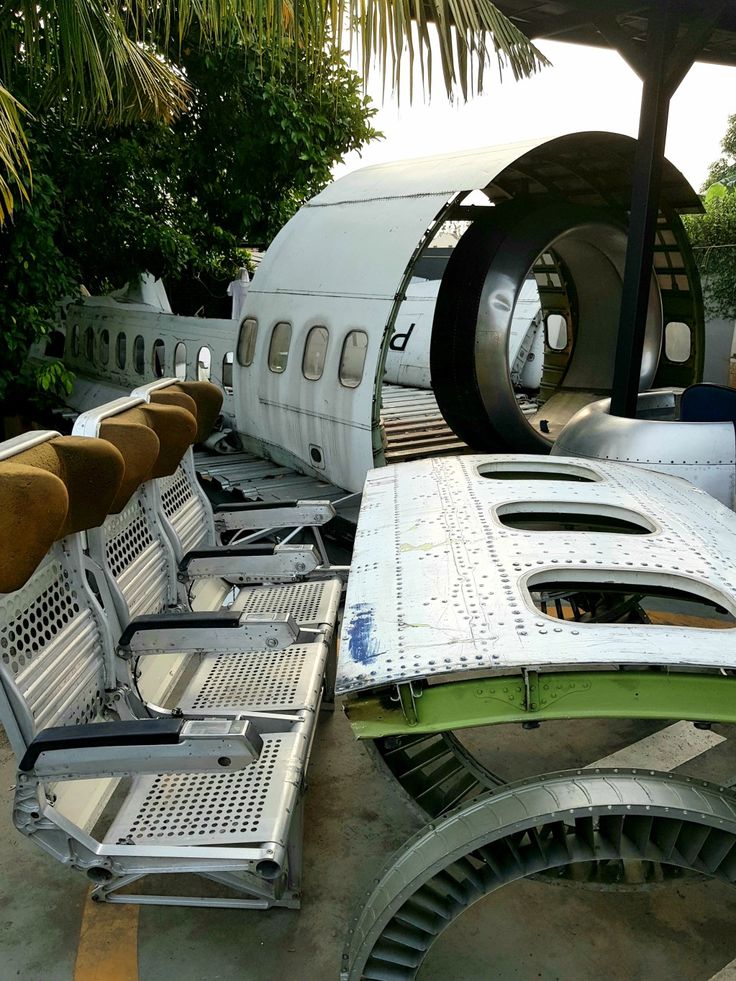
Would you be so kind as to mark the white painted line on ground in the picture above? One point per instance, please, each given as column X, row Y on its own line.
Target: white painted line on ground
column 665, row 750
column 727, row 973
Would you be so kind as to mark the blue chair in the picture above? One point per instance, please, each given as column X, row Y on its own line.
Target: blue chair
column 708, row 403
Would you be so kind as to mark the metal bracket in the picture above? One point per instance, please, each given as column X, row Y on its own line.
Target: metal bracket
column 531, row 691
column 407, row 698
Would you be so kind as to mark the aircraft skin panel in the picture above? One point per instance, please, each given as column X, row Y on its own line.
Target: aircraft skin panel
column 453, row 590
column 303, row 417
column 342, row 262
column 447, row 172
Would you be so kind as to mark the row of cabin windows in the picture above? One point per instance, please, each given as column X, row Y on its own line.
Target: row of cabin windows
column 678, row 344
column 352, row 358
column 158, row 356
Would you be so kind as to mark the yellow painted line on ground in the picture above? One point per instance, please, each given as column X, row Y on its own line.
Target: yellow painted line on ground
column 108, row 942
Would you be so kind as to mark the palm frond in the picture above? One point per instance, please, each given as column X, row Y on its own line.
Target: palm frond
column 14, row 165
column 471, row 35
column 99, row 60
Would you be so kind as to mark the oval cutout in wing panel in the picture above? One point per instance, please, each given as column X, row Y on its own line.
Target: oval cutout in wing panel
column 572, row 516
column 537, row 470
column 631, row 597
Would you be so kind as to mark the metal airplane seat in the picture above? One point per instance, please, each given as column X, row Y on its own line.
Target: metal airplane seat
column 123, row 800
column 138, row 561
column 193, row 524
column 139, row 557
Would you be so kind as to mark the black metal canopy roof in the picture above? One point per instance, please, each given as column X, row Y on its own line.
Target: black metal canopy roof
column 575, row 21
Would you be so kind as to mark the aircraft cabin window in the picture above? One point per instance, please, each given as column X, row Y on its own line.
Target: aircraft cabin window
column 55, row 344
column 278, row 350
column 247, row 341
column 158, row 358
column 677, row 342
column 139, row 354
column 120, row 350
column 180, row 361
column 204, row 364
column 104, row 346
column 75, row 340
column 352, row 360
column 556, row 331
column 315, row 349
column 227, row 372
column 89, row 345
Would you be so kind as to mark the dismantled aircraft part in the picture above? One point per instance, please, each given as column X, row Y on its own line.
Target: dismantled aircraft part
column 564, row 819
column 440, row 585
column 318, row 333
column 307, row 372
column 484, row 278
column 704, row 453
column 523, row 589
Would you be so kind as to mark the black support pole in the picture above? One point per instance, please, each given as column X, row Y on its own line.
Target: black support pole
column 647, row 179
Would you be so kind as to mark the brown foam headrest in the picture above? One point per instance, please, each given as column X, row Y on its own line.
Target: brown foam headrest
column 207, row 398
column 33, row 506
column 59, row 487
column 139, row 448
column 152, row 439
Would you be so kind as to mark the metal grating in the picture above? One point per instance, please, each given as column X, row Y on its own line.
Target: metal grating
column 184, row 509
column 136, row 559
column 261, row 681
column 53, row 648
column 243, row 807
column 311, row 604
column 176, row 491
column 128, row 536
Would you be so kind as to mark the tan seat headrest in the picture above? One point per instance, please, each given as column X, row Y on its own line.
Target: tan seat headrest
column 206, row 397
column 52, row 490
column 152, row 440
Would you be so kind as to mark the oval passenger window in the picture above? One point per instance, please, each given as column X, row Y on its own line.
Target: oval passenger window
column 139, row 354
column 315, row 350
column 247, row 341
column 180, row 361
column 278, row 349
column 204, row 364
column 121, row 345
column 352, row 359
column 677, row 342
column 556, row 331
column 227, row 372
column 158, row 358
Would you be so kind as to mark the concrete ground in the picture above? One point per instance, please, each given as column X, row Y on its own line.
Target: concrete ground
column 354, row 818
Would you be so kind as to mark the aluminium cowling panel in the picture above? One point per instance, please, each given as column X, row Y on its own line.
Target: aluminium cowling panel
column 439, row 586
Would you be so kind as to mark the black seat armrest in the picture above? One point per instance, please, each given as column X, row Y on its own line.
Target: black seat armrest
column 240, row 506
column 143, row 732
column 219, row 619
column 227, row 552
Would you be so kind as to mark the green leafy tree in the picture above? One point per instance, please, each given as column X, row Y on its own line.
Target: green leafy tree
column 104, row 62
column 723, row 170
column 182, row 201
column 713, row 234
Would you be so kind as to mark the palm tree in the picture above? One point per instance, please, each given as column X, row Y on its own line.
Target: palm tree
column 101, row 61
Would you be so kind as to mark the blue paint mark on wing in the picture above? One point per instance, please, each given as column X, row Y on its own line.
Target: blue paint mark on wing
column 362, row 645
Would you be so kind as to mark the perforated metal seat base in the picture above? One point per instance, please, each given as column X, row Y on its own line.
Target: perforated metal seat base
column 250, row 807
column 259, row 681
column 312, row 604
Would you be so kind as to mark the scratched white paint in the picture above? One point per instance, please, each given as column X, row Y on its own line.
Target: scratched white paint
column 443, row 584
